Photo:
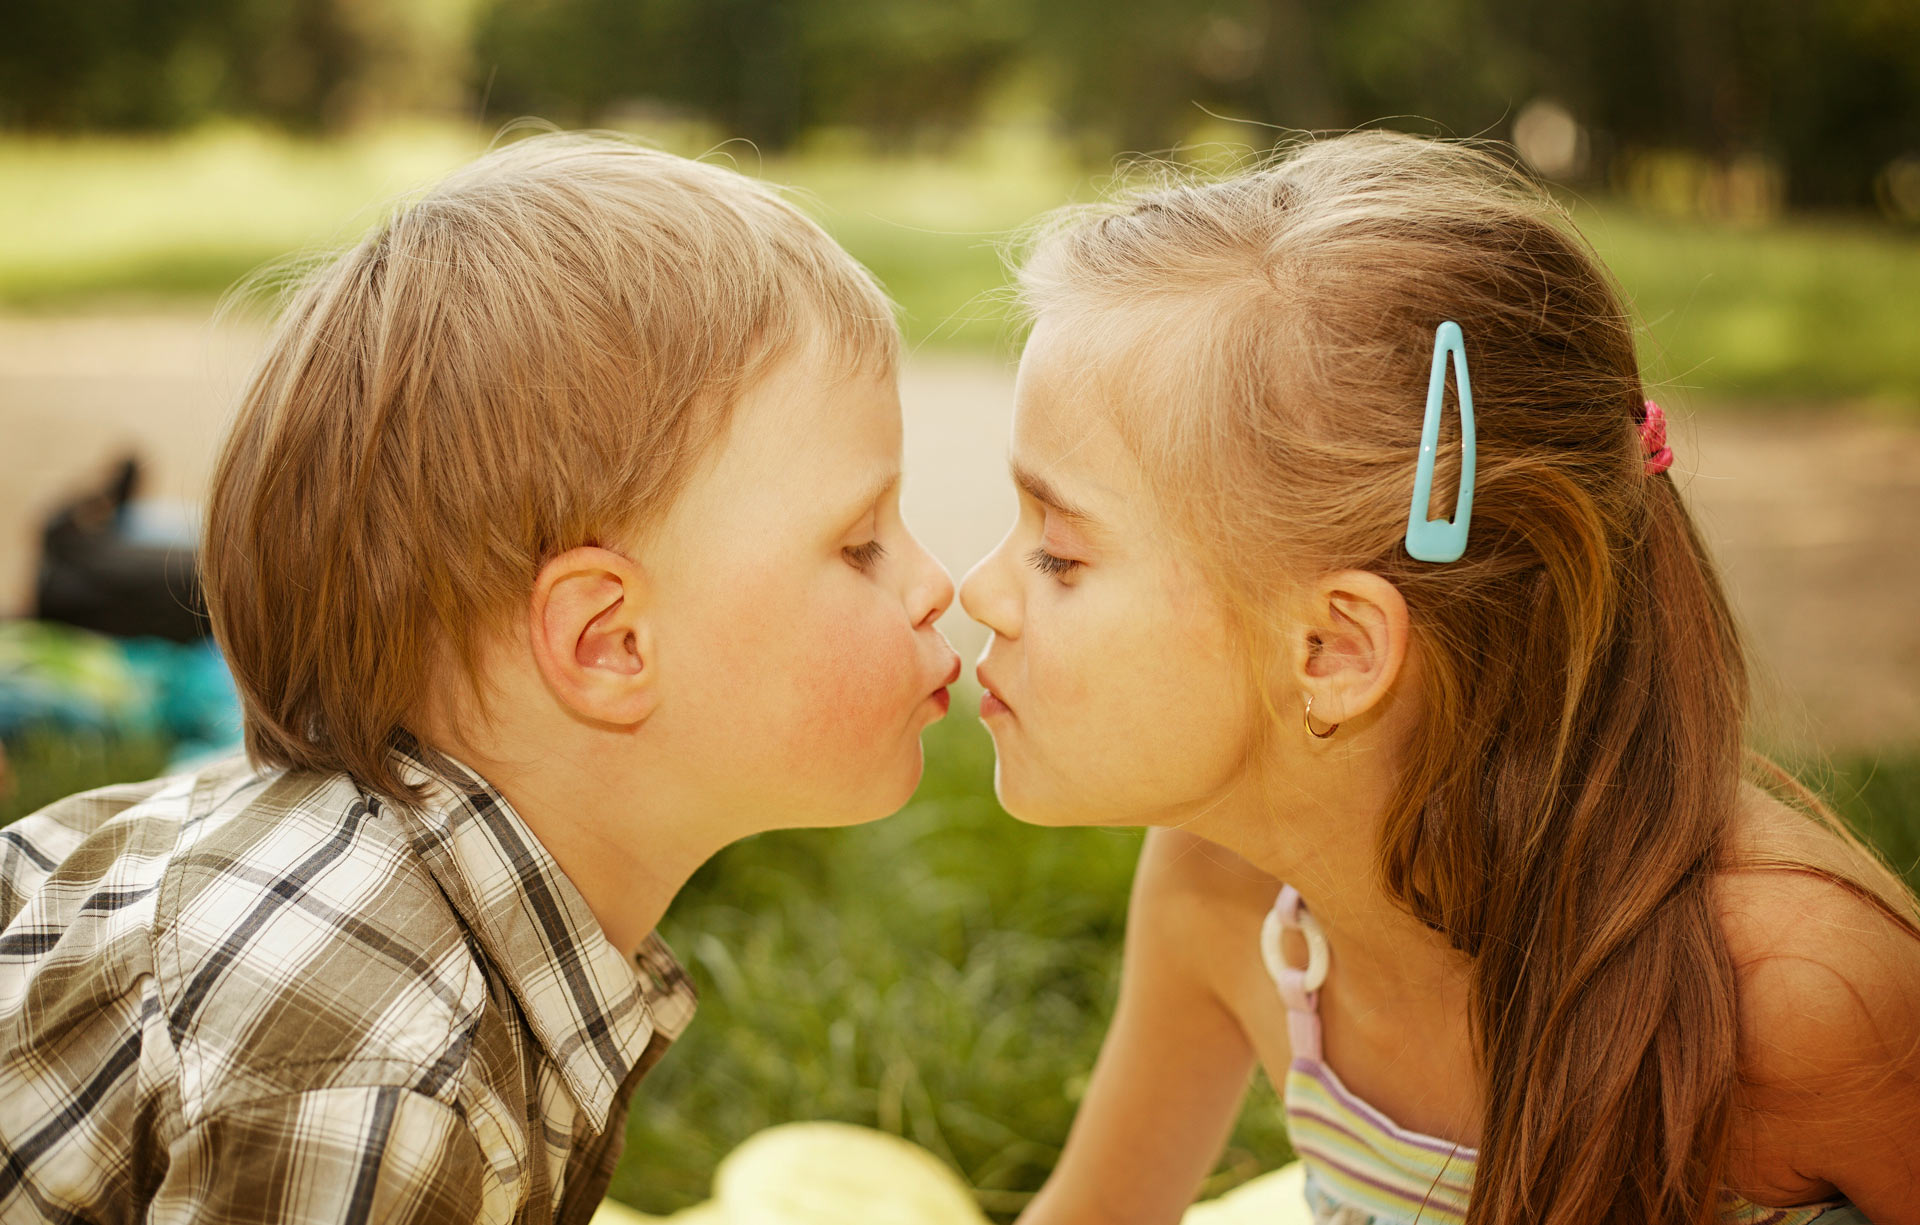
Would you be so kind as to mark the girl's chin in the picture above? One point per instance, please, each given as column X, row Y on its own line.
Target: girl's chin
column 1023, row 806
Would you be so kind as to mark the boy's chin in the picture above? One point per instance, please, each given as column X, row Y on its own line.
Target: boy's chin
column 886, row 797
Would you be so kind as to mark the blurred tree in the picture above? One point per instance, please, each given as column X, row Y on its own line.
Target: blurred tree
column 112, row 63
column 331, row 64
column 159, row 64
column 1142, row 76
column 1829, row 90
column 764, row 69
column 904, row 68
column 1839, row 94
column 1826, row 91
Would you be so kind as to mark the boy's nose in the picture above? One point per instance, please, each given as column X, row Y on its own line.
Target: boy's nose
column 934, row 593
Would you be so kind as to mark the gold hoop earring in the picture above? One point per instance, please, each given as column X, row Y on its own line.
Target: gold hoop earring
column 1331, row 728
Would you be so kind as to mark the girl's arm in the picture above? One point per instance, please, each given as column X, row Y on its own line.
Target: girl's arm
column 1829, row 993
column 1175, row 1063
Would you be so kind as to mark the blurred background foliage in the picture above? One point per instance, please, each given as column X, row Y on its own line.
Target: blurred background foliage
column 1802, row 102
column 1751, row 170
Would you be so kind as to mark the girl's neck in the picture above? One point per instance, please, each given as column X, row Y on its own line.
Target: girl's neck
column 1324, row 841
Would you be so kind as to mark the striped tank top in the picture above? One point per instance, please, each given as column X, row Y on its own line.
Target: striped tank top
column 1362, row 1168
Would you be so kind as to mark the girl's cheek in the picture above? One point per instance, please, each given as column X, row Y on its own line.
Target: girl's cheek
column 1068, row 646
column 1064, row 679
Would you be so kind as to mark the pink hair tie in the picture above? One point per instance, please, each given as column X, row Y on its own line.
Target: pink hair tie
column 1653, row 439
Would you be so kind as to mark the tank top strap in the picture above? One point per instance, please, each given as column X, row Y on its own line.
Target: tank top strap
column 1299, row 988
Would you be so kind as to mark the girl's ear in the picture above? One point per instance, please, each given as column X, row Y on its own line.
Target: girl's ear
column 1350, row 644
column 591, row 638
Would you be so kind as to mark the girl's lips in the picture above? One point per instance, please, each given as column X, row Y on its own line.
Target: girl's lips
column 990, row 702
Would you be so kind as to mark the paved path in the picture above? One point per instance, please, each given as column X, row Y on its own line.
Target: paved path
column 1815, row 517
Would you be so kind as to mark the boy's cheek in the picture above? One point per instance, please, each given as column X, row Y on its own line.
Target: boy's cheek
column 862, row 682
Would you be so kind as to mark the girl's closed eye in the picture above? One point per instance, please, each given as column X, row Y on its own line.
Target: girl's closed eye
column 1047, row 563
column 865, row 556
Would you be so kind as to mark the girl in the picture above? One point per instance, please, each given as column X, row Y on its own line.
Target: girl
column 1438, row 722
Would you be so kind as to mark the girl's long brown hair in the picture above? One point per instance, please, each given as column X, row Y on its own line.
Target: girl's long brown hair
column 1568, row 799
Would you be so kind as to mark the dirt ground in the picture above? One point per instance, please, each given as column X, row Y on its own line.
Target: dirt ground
column 1814, row 515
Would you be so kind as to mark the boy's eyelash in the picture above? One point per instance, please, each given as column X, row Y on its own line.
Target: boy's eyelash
column 863, row 556
column 1047, row 563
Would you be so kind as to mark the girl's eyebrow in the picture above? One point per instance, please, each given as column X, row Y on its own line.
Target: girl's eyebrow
column 1037, row 487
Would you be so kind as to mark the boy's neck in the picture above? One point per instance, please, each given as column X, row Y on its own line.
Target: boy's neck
column 628, row 858
column 627, row 837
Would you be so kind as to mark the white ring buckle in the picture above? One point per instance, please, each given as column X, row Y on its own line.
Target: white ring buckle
column 1319, row 955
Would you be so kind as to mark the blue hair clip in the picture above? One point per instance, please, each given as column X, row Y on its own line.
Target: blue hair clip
column 1443, row 539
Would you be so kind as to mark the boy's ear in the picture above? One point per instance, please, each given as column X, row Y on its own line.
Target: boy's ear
column 1351, row 641
column 591, row 638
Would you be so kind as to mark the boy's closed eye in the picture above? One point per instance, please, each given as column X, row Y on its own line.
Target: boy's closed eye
column 866, row 549
column 866, row 556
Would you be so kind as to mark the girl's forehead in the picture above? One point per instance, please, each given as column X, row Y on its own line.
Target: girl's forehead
column 1134, row 357
column 1096, row 386
column 1068, row 456
column 1079, row 383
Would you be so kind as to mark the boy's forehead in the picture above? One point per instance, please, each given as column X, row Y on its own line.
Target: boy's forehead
column 818, row 368
column 814, row 433
column 801, row 457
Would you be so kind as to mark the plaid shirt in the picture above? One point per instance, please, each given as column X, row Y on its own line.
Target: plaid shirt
column 245, row 996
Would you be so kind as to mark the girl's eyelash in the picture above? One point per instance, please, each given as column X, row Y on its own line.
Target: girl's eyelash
column 863, row 556
column 1047, row 563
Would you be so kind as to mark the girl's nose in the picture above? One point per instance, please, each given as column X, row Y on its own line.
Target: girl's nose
column 987, row 597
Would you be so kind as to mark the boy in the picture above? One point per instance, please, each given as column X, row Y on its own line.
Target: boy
column 556, row 545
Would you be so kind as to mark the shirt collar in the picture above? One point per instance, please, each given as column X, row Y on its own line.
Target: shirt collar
column 592, row 1010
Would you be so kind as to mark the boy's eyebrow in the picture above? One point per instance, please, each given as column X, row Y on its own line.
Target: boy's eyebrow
column 879, row 489
column 1038, row 488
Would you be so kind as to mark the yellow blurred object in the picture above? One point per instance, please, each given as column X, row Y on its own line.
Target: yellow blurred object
column 613, row 1212
column 836, row 1173
column 1278, row 1197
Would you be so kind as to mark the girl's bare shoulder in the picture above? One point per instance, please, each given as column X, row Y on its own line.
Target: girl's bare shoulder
column 1206, row 905
column 1204, row 874
column 1799, row 899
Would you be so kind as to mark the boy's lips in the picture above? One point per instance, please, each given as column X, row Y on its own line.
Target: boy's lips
column 940, row 697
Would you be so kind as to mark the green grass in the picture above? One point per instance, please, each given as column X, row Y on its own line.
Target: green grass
column 189, row 215
column 1880, row 799
column 945, row 975
column 1805, row 310
column 1793, row 310
column 44, row 768
column 92, row 218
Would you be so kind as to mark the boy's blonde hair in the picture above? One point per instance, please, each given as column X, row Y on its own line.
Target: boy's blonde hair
column 530, row 358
